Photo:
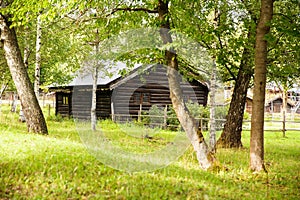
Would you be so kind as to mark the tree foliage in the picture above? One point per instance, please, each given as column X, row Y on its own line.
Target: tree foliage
column 284, row 47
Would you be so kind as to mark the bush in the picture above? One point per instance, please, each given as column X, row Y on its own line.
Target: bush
column 156, row 115
column 221, row 112
column 172, row 121
column 196, row 110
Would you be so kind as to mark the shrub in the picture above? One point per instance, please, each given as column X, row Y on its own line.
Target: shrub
column 156, row 115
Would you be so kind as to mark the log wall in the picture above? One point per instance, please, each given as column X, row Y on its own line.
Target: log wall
column 129, row 98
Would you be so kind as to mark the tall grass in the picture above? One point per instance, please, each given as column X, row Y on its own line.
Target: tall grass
column 58, row 166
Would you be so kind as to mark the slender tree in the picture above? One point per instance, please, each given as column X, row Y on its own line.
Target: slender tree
column 38, row 60
column 170, row 58
column 260, row 70
column 95, row 81
column 184, row 116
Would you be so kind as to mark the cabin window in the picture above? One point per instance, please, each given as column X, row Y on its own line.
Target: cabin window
column 66, row 100
column 63, row 99
column 140, row 98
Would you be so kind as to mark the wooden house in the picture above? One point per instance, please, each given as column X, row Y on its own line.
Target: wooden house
column 123, row 96
column 274, row 105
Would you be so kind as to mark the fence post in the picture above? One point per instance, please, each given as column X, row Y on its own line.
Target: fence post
column 201, row 124
column 165, row 117
column 49, row 110
column 140, row 112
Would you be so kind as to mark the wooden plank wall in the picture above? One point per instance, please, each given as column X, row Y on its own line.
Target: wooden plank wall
column 82, row 101
column 155, row 83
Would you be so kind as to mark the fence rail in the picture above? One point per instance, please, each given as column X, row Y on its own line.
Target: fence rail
column 164, row 122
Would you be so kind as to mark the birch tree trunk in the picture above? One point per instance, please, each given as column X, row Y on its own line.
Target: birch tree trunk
column 94, row 95
column 3, row 88
column 185, row 118
column 25, row 59
column 260, row 70
column 37, row 72
column 212, row 94
column 94, row 100
column 95, row 80
column 212, row 120
column 14, row 102
column 32, row 111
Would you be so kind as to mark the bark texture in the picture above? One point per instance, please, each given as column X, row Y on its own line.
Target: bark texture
column 212, row 129
column 32, row 111
column 257, row 120
column 186, row 120
column 284, row 106
column 94, row 94
column 231, row 135
column 94, row 100
column 38, row 46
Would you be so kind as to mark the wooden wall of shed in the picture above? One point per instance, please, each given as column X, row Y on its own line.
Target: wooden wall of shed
column 155, row 83
column 81, row 103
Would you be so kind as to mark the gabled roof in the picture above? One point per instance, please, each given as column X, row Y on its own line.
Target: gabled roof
column 131, row 75
column 106, row 75
column 109, row 76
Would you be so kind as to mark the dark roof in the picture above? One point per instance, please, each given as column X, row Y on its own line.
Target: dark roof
column 109, row 76
column 105, row 76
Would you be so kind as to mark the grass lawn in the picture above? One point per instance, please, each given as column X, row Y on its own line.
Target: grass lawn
column 58, row 166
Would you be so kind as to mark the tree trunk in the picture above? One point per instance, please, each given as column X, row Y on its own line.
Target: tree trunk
column 2, row 90
column 232, row 132
column 284, row 105
column 38, row 57
column 212, row 120
column 94, row 100
column 32, row 111
column 257, row 120
column 185, row 118
column 14, row 102
column 95, row 80
column 231, row 135
column 25, row 60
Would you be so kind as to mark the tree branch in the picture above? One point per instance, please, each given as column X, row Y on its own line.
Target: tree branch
column 276, row 43
column 134, row 10
column 290, row 18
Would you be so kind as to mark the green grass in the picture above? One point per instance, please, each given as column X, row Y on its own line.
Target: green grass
column 58, row 166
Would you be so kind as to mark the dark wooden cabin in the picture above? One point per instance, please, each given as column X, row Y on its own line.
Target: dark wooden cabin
column 275, row 105
column 124, row 96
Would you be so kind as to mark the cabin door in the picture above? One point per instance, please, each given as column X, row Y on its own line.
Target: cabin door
column 64, row 104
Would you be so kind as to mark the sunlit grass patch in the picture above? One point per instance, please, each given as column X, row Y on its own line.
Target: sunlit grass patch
column 59, row 166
